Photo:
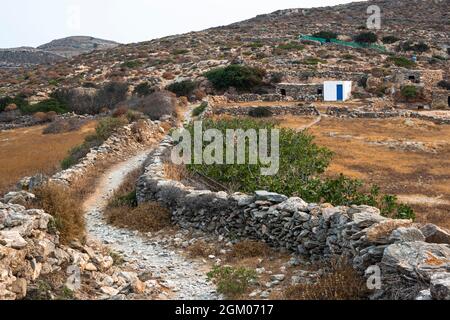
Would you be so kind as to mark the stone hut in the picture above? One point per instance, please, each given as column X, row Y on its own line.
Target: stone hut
column 440, row 99
column 429, row 78
column 301, row 91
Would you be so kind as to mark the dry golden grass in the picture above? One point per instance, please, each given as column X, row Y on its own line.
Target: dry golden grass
column 248, row 249
column 27, row 151
column 147, row 217
column 66, row 209
column 408, row 174
column 340, row 282
column 175, row 172
column 201, row 249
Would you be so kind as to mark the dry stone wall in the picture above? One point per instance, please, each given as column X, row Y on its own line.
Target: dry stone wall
column 407, row 254
column 30, row 249
column 120, row 145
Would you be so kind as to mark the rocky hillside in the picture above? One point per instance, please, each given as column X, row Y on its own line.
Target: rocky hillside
column 25, row 56
column 268, row 41
column 73, row 46
column 52, row 52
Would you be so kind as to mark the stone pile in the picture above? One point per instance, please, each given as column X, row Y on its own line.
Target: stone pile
column 30, row 250
column 414, row 255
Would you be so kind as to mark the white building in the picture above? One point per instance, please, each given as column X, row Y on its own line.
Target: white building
column 337, row 90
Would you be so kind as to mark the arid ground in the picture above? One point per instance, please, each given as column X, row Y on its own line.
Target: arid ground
column 406, row 157
column 27, row 151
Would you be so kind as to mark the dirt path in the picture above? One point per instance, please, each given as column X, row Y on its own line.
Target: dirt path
column 185, row 279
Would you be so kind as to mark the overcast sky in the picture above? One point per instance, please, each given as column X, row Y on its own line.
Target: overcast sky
column 35, row 22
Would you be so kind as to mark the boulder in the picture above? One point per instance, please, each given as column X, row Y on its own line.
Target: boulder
column 440, row 286
column 270, row 196
column 12, row 239
column 403, row 234
column 20, row 197
column 293, row 205
column 434, row 234
column 381, row 232
column 424, row 295
column 416, row 260
column 365, row 216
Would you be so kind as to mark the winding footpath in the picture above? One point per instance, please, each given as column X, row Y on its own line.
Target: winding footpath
column 185, row 279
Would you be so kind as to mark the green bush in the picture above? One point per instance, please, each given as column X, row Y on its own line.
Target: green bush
column 105, row 128
column 416, row 47
column 366, row 37
column 444, row 84
column 402, row 62
column 18, row 100
column 325, row 35
column 313, row 61
column 200, row 109
column 390, row 39
column 143, row 89
column 182, row 88
column 242, row 78
column 300, row 161
column 260, row 112
column 301, row 167
column 232, row 282
column 180, row 51
column 45, row 106
column 409, row 92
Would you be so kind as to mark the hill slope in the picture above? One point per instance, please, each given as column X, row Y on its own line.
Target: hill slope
column 73, row 46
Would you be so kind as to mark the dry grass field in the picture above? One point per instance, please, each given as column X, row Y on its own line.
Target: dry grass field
column 26, row 151
column 408, row 158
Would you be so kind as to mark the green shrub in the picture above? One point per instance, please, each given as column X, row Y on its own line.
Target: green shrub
column 105, row 128
column 402, row 62
column 53, row 82
column 182, row 88
column 301, row 166
column 260, row 112
column 243, row 78
column 416, row 47
column 300, row 161
column 200, row 109
column 143, row 89
column 18, row 100
column 180, row 51
column 45, row 106
column 326, row 35
column 313, row 61
column 390, row 39
column 232, row 282
column 409, row 92
column 444, row 84
column 366, row 37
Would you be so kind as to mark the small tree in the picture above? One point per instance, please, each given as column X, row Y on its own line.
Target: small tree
column 390, row 39
column 243, row 78
column 366, row 37
column 326, row 35
column 409, row 92
column 182, row 88
column 157, row 104
column 143, row 89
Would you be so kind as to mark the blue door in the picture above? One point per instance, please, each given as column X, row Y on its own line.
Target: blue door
column 340, row 92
